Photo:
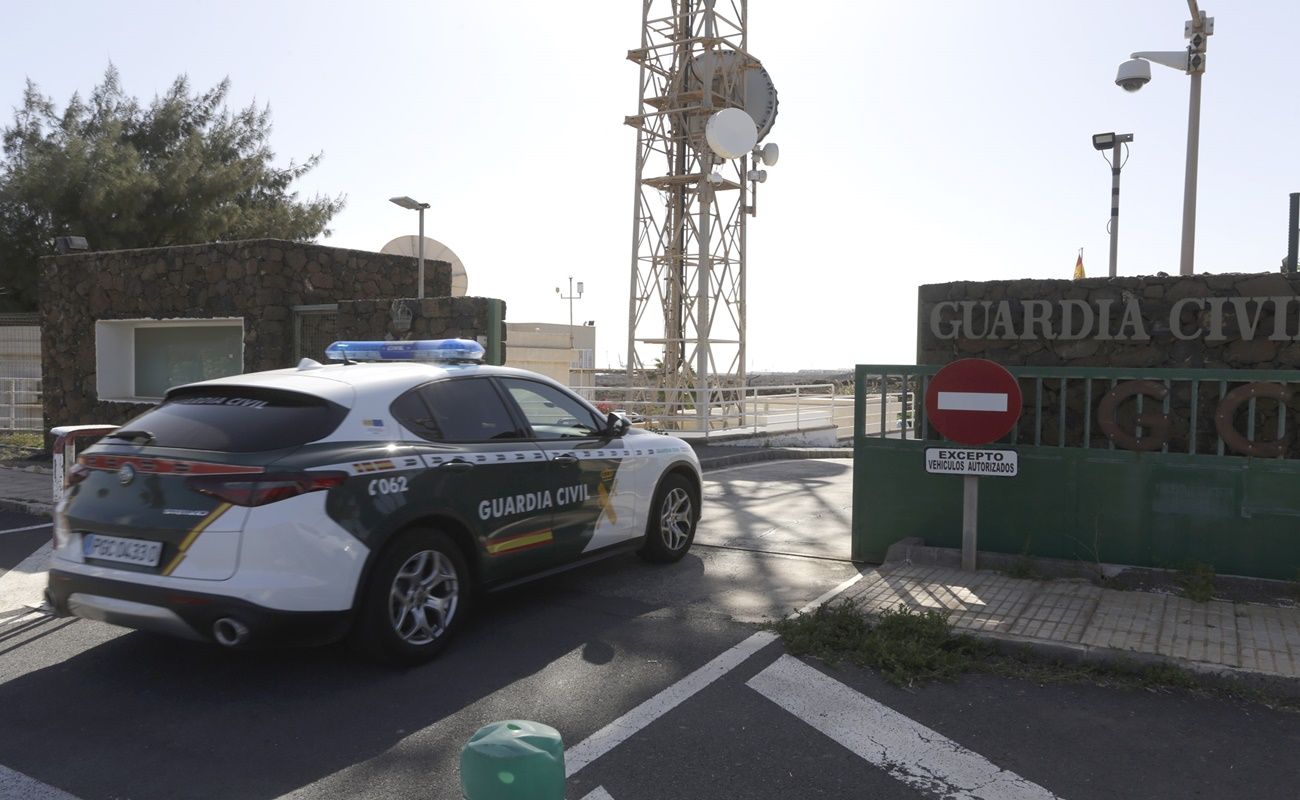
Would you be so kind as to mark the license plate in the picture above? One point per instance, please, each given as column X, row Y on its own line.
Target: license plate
column 117, row 548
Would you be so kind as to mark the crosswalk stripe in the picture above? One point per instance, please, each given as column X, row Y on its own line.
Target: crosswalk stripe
column 925, row 760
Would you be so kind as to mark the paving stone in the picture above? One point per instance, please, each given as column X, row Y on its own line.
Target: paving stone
column 1059, row 612
column 1127, row 621
column 1199, row 631
column 1269, row 639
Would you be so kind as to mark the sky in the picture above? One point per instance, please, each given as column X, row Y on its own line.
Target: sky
column 922, row 141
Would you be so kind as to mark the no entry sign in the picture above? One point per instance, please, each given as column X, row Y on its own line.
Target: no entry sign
column 973, row 401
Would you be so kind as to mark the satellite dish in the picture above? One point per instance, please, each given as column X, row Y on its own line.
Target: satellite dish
column 752, row 91
column 731, row 133
column 434, row 250
column 770, row 154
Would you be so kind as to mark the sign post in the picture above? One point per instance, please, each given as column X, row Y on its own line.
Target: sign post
column 974, row 402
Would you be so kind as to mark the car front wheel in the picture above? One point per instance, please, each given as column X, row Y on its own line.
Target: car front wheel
column 673, row 517
column 415, row 600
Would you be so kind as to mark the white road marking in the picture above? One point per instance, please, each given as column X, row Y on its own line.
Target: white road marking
column 828, row 595
column 28, row 528
column 972, row 401
column 925, row 760
column 598, row 793
column 18, row 786
column 626, row 726
column 623, row 728
column 24, row 585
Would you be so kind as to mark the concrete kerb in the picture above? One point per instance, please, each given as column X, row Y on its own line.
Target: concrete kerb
column 29, row 507
column 709, row 462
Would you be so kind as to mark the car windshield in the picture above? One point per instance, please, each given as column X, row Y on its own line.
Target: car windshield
column 234, row 419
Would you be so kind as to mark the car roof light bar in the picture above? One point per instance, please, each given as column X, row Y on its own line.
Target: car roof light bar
column 422, row 350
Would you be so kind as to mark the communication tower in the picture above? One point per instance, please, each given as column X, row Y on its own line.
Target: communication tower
column 705, row 104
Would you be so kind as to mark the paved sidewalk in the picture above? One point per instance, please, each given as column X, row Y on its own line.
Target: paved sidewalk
column 1079, row 618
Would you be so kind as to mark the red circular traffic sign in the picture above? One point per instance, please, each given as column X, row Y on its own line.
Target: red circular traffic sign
column 973, row 401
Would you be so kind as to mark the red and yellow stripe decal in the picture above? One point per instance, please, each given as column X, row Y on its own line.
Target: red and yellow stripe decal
column 166, row 466
column 523, row 541
column 193, row 535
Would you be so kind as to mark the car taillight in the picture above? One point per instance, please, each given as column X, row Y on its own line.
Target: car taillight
column 258, row 490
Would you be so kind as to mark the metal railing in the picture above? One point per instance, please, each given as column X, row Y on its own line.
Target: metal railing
column 755, row 409
column 1171, row 411
column 20, row 405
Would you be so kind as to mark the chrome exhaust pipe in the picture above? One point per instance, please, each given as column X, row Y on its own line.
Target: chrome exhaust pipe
column 229, row 632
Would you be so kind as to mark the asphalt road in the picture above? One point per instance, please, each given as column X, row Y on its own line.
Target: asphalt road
column 99, row 712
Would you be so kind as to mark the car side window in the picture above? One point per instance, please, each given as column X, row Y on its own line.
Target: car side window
column 551, row 413
column 456, row 410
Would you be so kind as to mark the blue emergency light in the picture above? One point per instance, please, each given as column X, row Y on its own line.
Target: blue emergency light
column 424, row 350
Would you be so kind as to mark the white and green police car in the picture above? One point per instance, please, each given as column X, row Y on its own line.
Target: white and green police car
column 371, row 499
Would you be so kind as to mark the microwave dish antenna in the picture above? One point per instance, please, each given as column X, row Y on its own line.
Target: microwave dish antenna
column 434, row 250
column 731, row 133
column 754, row 91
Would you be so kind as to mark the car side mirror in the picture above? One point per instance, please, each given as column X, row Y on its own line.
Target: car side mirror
column 616, row 425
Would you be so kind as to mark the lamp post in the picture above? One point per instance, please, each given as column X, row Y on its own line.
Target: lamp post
column 1136, row 73
column 414, row 205
column 1111, row 142
column 570, row 297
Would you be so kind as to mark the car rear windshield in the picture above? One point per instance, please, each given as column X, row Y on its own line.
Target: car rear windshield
column 233, row 420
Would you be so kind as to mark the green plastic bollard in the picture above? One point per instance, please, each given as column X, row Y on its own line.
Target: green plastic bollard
column 513, row 760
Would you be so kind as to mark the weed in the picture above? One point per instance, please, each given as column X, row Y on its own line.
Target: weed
column 17, row 444
column 1196, row 580
column 906, row 646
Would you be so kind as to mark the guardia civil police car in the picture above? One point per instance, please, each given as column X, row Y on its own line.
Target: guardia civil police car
column 371, row 498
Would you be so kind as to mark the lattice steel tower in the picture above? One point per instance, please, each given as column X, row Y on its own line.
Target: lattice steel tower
column 694, row 193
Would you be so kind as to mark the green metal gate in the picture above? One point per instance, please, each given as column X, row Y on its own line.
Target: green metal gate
column 1079, row 495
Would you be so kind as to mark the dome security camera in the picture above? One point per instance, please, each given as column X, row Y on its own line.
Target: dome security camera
column 1133, row 74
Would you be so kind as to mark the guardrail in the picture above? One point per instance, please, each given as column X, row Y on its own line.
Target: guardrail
column 757, row 409
column 20, row 404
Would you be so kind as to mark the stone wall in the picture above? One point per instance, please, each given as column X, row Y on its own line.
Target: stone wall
column 1199, row 321
column 411, row 318
column 259, row 280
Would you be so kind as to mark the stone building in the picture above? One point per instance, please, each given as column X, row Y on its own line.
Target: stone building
column 119, row 327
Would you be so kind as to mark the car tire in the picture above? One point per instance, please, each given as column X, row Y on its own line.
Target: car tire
column 415, row 600
column 670, row 528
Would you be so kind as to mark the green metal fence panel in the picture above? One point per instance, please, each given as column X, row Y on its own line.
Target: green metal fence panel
column 1077, row 498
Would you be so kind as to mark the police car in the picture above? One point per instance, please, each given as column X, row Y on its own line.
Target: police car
column 371, row 499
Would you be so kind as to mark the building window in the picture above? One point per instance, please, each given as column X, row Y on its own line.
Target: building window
column 141, row 359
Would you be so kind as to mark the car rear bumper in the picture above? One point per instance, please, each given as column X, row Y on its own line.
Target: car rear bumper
column 188, row 614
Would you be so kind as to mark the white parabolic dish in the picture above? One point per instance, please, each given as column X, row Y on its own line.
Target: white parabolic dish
column 731, row 133
column 434, row 250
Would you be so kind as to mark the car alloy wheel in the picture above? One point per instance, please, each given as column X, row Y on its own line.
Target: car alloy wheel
column 424, row 597
column 675, row 519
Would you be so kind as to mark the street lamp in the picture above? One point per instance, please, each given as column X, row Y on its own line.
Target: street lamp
column 570, row 297
column 406, row 202
column 1136, row 73
column 1111, row 142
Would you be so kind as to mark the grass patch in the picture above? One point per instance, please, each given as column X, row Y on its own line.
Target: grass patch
column 907, row 647
column 910, row 648
column 17, row 444
column 1196, row 580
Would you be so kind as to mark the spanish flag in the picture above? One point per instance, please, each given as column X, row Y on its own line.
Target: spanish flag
column 1078, row 267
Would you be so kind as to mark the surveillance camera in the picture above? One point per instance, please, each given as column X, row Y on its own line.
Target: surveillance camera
column 1133, row 74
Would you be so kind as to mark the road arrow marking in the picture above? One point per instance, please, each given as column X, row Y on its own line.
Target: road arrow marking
column 908, row 751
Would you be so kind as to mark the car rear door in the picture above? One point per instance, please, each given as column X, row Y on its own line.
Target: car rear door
column 480, row 467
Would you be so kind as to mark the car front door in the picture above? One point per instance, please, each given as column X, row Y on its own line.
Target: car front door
column 590, row 471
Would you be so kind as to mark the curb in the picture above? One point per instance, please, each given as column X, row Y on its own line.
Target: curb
column 1205, row 674
column 773, row 454
column 31, row 507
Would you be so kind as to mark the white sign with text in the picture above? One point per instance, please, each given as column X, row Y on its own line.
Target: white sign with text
column 970, row 461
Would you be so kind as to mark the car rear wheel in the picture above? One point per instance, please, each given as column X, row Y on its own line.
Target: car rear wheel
column 415, row 600
column 671, row 526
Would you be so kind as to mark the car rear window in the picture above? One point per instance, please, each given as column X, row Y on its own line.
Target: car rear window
column 234, row 420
